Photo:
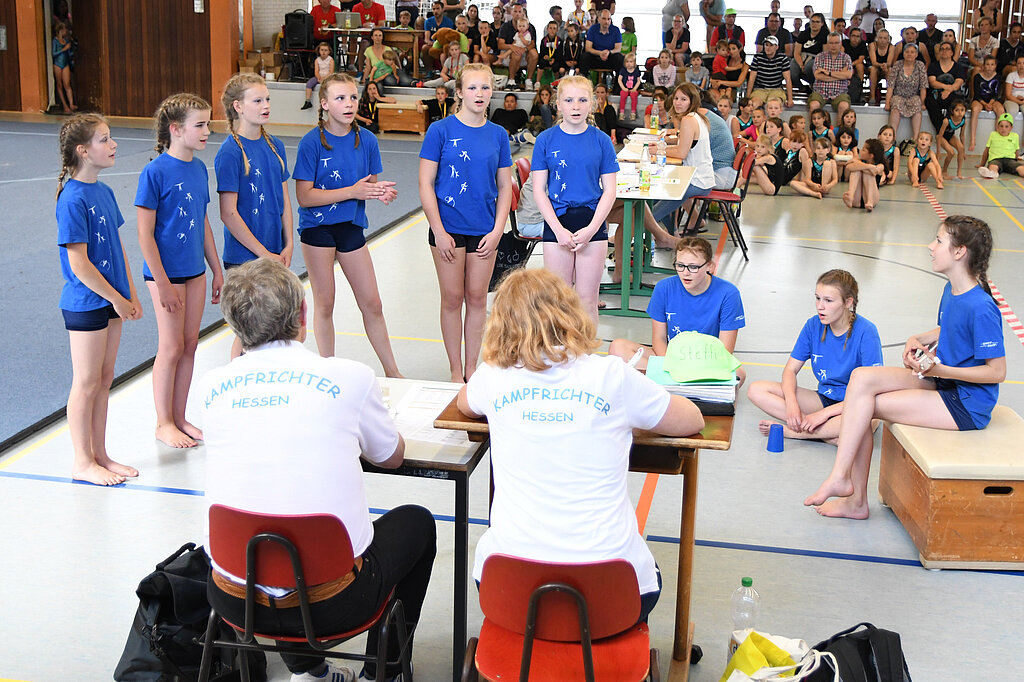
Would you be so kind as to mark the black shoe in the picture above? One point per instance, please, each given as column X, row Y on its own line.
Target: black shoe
column 307, row 105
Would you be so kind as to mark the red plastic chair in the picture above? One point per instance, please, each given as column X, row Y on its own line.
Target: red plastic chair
column 557, row 622
column 291, row 552
column 731, row 201
column 522, row 169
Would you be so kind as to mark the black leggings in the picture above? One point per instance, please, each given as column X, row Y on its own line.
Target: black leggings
column 937, row 109
column 400, row 556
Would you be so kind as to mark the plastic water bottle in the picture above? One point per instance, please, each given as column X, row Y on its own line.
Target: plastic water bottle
column 655, row 121
column 645, row 156
column 746, row 603
column 662, row 152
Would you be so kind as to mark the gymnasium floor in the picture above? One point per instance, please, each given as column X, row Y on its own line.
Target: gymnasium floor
column 75, row 553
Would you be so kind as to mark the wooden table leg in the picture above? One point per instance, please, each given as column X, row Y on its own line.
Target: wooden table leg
column 681, row 643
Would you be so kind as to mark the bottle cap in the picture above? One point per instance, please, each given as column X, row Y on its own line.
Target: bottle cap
column 747, row 582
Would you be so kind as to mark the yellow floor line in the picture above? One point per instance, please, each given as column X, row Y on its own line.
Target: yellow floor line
column 1019, row 184
column 996, row 202
column 859, row 241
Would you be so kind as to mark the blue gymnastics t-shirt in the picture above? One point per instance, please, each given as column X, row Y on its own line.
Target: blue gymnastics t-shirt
column 575, row 164
column 835, row 358
column 178, row 191
column 718, row 309
column 87, row 213
column 260, row 193
column 467, row 160
column 341, row 166
column 970, row 333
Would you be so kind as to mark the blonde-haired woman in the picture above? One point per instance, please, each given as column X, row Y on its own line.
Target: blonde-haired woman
column 561, row 422
column 465, row 185
column 574, row 170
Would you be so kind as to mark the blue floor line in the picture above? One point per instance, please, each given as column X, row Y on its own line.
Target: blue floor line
column 818, row 554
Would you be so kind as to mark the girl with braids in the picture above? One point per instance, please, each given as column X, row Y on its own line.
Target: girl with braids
column 175, row 236
column 252, row 180
column 574, row 169
column 954, row 389
column 336, row 170
column 836, row 341
column 98, row 290
column 466, row 189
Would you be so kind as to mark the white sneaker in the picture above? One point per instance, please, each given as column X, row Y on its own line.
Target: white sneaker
column 334, row 673
column 536, row 85
column 529, row 84
column 529, row 137
column 988, row 173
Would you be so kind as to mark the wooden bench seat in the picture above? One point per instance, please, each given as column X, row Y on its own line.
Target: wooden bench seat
column 960, row 495
column 401, row 117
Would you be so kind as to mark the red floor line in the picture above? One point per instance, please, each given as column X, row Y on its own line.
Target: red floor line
column 1005, row 310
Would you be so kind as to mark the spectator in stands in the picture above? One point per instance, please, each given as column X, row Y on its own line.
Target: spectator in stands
column 774, row 28
column 1010, row 48
column 440, row 107
column 485, row 45
column 881, row 56
column 435, row 22
column 909, row 37
column 572, row 48
column 769, row 73
column 723, row 150
column 603, row 45
column 677, row 41
column 946, row 79
column 808, row 45
column 929, row 36
column 671, row 9
column 735, row 75
column 410, row 6
column 839, row 26
column 857, row 50
column 453, row 8
column 556, row 16
column 605, row 118
column 729, row 30
column 869, row 11
column 371, row 14
column 498, row 15
column 856, row 21
column 324, row 15
column 519, row 53
column 982, row 44
column 550, row 51
column 833, row 70
column 989, row 9
column 713, row 11
column 906, row 89
column 513, row 119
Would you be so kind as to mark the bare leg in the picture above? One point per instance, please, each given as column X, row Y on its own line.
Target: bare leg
column 88, row 352
column 358, row 269
column 478, row 276
column 768, row 396
column 915, row 125
column 869, row 190
column 170, row 348
column 761, row 178
column 99, row 412
column 589, row 267
column 451, row 278
column 802, row 188
column 68, row 93
column 195, row 300
column 851, row 197
column 320, row 264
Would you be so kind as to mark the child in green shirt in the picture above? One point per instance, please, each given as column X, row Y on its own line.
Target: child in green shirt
column 628, row 36
column 1002, row 151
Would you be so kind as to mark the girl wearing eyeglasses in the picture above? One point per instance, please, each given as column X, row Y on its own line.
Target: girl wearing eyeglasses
column 836, row 341
column 693, row 301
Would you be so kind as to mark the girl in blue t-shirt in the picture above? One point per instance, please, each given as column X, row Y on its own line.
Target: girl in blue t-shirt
column 335, row 172
column 252, row 180
column 466, row 190
column 574, row 170
column 98, row 291
column 175, row 236
column 836, row 341
column 693, row 301
column 950, row 376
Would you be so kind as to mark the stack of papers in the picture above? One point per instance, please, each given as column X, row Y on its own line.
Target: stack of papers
column 706, row 391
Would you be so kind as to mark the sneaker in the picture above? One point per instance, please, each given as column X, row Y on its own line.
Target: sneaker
column 988, row 173
column 632, row 116
column 528, row 137
column 529, row 84
column 307, row 105
column 334, row 673
column 536, row 85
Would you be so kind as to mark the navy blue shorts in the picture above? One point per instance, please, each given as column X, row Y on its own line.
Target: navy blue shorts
column 469, row 242
column 88, row 320
column 951, row 396
column 175, row 280
column 344, row 237
column 826, row 401
column 575, row 219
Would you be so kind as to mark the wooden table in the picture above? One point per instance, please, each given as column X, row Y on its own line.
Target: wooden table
column 670, row 184
column 651, row 453
column 446, row 463
column 401, row 38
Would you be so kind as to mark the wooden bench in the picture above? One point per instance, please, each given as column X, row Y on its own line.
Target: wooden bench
column 960, row 495
column 401, row 117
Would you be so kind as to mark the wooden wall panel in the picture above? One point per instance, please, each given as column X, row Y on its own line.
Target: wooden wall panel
column 88, row 81
column 155, row 49
column 10, row 74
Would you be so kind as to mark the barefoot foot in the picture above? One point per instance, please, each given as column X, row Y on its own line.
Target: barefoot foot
column 765, row 425
column 172, row 436
column 869, row 207
column 97, row 475
column 843, row 508
column 848, row 199
column 117, row 468
column 191, row 430
column 832, row 487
